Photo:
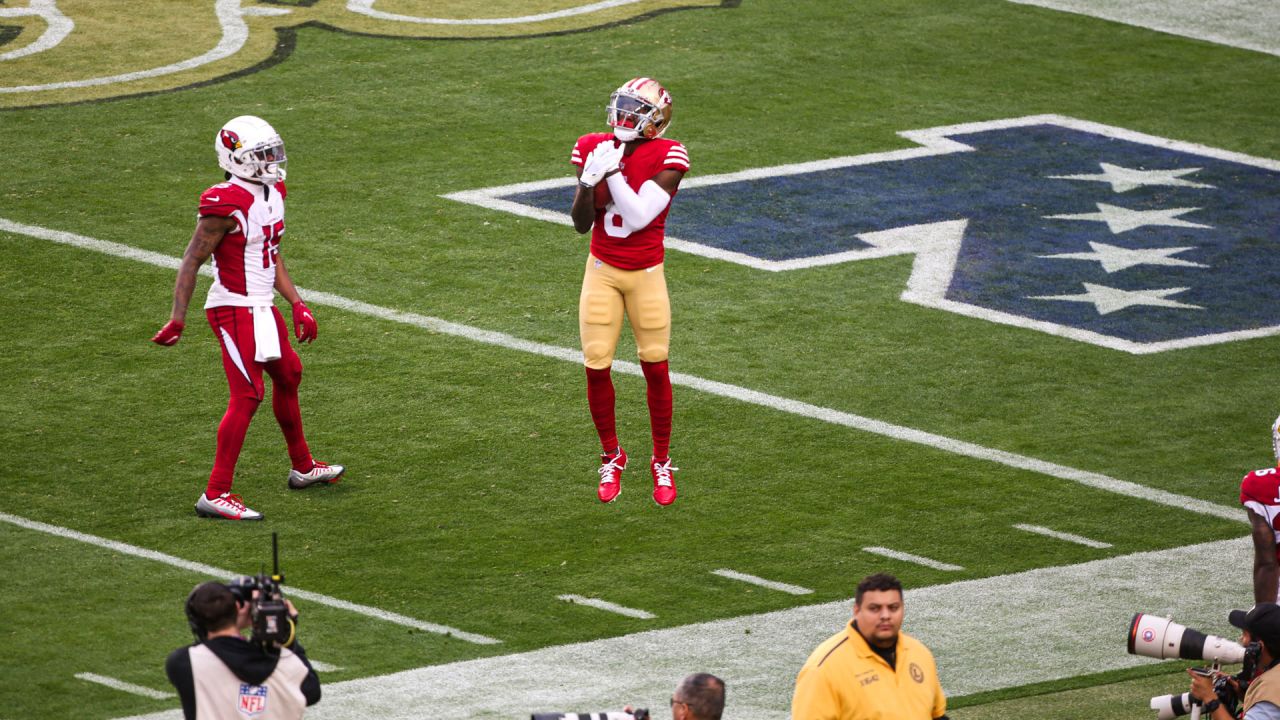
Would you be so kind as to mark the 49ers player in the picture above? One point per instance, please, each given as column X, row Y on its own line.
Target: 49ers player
column 626, row 180
column 240, row 224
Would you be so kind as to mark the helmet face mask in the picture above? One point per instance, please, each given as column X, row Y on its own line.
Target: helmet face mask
column 249, row 148
column 639, row 109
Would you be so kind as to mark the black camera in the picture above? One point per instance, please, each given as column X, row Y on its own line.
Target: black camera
column 273, row 627
column 638, row 714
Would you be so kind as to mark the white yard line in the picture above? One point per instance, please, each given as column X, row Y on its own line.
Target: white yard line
column 1247, row 24
column 365, row 7
column 211, row 571
column 771, row 584
column 734, row 392
column 607, row 606
column 124, row 686
column 908, row 557
column 1069, row 537
column 987, row 634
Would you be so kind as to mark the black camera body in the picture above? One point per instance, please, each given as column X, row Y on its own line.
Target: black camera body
column 272, row 626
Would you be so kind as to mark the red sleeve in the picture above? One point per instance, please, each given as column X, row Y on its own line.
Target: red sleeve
column 1260, row 486
column 676, row 158
column 224, row 200
column 280, row 188
column 585, row 145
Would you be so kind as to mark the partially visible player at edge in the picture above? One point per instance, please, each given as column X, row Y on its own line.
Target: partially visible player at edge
column 239, row 224
column 626, row 180
column 1260, row 495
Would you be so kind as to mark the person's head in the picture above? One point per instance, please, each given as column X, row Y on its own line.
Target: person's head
column 212, row 608
column 249, row 148
column 877, row 609
column 698, row 697
column 1261, row 623
column 639, row 110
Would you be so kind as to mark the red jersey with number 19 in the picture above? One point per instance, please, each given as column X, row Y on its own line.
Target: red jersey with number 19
column 1260, row 492
column 610, row 241
column 244, row 263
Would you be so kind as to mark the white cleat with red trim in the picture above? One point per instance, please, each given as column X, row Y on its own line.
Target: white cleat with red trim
column 225, row 507
column 320, row 473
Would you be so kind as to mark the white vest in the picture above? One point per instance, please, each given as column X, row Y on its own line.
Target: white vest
column 220, row 695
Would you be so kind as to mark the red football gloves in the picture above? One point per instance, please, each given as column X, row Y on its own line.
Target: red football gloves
column 304, row 323
column 169, row 334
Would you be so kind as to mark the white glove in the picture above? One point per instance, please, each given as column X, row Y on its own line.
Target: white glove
column 601, row 161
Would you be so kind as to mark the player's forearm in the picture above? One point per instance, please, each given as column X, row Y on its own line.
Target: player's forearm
column 637, row 209
column 284, row 284
column 1265, row 578
column 183, row 288
column 583, row 210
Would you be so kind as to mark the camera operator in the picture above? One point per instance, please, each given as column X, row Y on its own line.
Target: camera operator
column 1261, row 625
column 223, row 676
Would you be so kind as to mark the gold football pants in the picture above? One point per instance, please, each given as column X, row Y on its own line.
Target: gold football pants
column 608, row 292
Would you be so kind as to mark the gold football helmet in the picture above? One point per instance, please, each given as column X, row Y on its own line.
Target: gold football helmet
column 641, row 108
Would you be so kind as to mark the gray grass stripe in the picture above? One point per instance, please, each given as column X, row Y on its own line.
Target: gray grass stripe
column 734, row 392
column 1068, row 537
column 908, row 557
column 209, row 570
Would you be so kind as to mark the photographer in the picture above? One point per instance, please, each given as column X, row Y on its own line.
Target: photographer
column 1261, row 625
column 224, row 676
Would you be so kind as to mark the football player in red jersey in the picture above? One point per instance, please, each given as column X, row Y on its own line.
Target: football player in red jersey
column 240, row 224
column 1260, row 495
column 626, row 179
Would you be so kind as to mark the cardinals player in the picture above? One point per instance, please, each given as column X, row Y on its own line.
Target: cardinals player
column 626, row 179
column 240, row 224
column 1260, row 495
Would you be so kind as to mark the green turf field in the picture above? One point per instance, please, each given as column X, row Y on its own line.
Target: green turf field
column 469, row 499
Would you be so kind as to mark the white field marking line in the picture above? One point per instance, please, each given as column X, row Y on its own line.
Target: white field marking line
column 365, row 7
column 209, row 570
column 234, row 35
column 57, row 27
column 319, row 666
column 124, row 686
column 607, row 606
column 986, row 634
column 908, row 557
column 1093, row 480
column 1069, row 537
column 771, row 584
column 935, row 245
column 1247, row 24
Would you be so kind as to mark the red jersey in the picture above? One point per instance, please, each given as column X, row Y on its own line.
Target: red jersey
column 610, row 241
column 1260, row 492
column 244, row 272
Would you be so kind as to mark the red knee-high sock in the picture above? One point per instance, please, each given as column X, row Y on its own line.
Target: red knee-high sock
column 284, row 401
column 600, row 398
column 658, row 383
column 231, row 432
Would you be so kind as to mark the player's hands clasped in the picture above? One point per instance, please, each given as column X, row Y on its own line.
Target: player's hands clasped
column 304, row 323
column 601, row 161
column 169, row 334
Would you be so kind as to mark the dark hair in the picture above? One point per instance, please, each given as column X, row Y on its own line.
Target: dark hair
column 880, row 582
column 210, row 607
column 704, row 694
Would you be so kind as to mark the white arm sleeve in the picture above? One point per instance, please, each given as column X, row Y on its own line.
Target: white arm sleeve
column 637, row 209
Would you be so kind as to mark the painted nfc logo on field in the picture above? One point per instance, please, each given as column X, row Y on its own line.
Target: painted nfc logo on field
column 46, row 45
column 1073, row 228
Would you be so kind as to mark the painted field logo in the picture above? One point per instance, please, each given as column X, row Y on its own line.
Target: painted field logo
column 1086, row 231
column 56, row 52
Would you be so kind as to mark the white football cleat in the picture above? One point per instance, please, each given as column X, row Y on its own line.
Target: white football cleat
column 225, row 507
column 319, row 473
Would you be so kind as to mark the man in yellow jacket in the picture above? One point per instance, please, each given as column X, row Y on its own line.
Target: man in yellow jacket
column 870, row 670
